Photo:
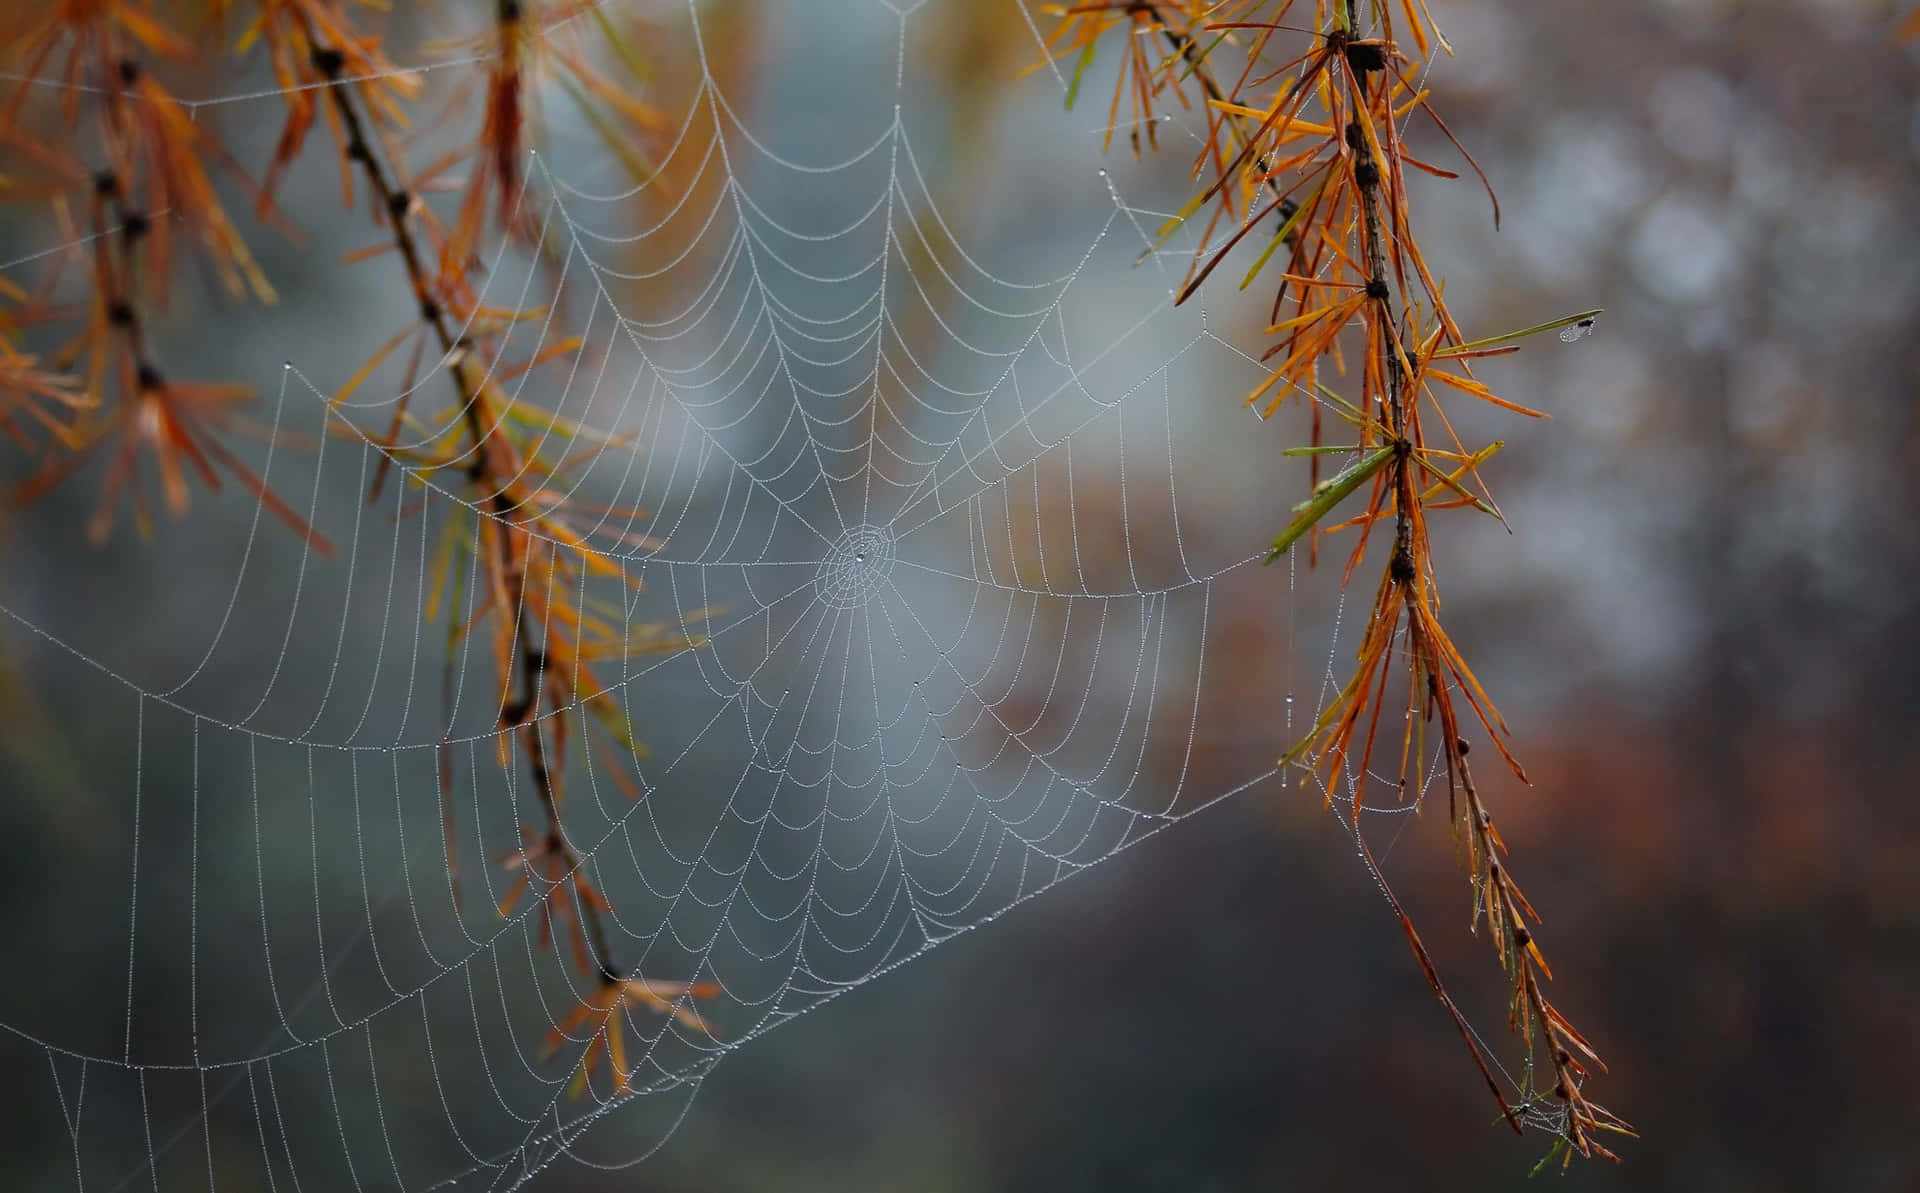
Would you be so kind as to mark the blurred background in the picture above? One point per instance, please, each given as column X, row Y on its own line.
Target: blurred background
column 1703, row 630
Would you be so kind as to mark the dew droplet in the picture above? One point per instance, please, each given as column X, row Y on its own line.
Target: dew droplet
column 1576, row 331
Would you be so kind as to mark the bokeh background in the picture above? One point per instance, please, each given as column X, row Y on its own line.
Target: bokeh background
column 1703, row 629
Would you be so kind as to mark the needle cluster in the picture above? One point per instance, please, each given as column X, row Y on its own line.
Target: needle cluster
column 130, row 173
column 1305, row 108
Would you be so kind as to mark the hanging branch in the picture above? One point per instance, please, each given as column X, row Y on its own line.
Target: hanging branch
column 532, row 555
column 1334, row 188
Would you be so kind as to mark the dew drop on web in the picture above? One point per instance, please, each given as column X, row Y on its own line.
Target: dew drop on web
column 1576, row 331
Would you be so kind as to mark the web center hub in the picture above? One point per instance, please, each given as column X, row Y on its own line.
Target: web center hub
column 856, row 567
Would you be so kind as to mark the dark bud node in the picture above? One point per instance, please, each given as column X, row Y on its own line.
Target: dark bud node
column 135, row 225
column 1356, row 136
column 509, row 11
column 120, row 314
column 129, row 72
column 1462, row 747
column 147, row 379
column 1401, row 568
column 106, row 184
column 328, row 61
column 1288, row 209
column 429, row 310
column 1521, row 936
column 1366, row 175
column 513, row 713
column 1377, row 290
column 397, row 205
column 358, row 152
column 1366, row 57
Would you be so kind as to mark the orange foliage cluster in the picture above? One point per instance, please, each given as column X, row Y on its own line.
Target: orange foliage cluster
column 600, row 1015
column 117, row 143
column 1308, row 148
column 141, row 166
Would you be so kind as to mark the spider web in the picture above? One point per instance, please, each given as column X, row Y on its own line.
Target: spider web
column 963, row 517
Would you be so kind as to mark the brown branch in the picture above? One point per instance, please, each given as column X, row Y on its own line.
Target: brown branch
column 522, row 713
column 1403, row 567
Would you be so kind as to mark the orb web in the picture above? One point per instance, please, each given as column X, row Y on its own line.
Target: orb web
column 961, row 522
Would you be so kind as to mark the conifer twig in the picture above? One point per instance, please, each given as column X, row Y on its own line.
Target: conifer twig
column 1338, row 195
column 522, row 714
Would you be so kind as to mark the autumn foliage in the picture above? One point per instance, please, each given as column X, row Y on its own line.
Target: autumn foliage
column 130, row 174
column 1305, row 108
